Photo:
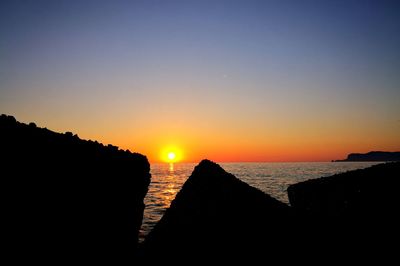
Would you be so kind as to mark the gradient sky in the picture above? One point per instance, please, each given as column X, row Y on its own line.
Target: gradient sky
column 224, row 80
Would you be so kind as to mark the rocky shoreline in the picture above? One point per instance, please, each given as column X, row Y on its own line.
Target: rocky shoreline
column 68, row 199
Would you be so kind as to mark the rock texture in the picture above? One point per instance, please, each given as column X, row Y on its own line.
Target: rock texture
column 215, row 215
column 373, row 156
column 69, row 199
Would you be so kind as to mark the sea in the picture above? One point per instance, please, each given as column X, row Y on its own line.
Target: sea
column 272, row 178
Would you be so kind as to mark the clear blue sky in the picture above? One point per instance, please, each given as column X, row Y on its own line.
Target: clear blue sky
column 275, row 77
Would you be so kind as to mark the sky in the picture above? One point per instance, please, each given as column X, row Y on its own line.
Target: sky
column 224, row 80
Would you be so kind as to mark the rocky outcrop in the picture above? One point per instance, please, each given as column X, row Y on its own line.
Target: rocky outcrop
column 215, row 215
column 358, row 193
column 373, row 156
column 69, row 199
column 353, row 213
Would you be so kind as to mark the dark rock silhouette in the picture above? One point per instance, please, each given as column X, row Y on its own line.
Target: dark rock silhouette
column 67, row 198
column 373, row 156
column 215, row 215
column 358, row 209
column 355, row 193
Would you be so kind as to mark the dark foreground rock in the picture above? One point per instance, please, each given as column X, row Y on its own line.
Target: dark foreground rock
column 66, row 199
column 359, row 193
column 215, row 215
column 357, row 211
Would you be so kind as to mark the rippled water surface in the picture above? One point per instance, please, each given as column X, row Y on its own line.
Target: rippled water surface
column 272, row 178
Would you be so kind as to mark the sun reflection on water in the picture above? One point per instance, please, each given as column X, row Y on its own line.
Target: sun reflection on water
column 166, row 181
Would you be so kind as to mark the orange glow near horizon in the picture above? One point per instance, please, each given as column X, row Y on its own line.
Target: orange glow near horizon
column 187, row 145
column 191, row 139
column 230, row 151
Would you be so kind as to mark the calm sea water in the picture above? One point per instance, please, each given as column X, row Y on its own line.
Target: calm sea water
column 272, row 178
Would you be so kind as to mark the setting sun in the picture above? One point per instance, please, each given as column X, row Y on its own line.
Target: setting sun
column 171, row 154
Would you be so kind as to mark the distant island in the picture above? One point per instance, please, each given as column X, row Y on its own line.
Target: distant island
column 373, row 156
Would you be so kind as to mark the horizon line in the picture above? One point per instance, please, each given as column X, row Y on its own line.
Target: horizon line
column 161, row 162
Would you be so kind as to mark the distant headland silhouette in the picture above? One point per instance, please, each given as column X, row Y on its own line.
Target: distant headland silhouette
column 372, row 156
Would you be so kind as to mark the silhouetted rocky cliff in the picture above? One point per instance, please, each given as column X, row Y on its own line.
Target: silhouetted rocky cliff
column 373, row 156
column 67, row 198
